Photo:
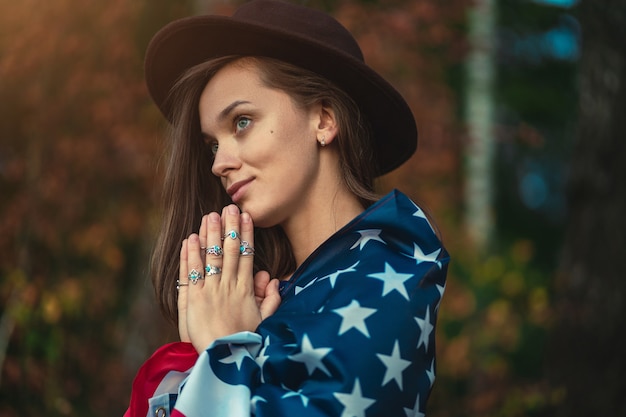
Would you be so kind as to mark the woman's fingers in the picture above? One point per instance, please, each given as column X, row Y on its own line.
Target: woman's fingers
column 232, row 241
column 226, row 298
column 266, row 294
column 195, row 263
column 202, row 232
column 182, row 286
column 272, row 299
column 246, row 252
column 214, row 251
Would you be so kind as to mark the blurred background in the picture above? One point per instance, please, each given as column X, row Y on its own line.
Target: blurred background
column 521, row 110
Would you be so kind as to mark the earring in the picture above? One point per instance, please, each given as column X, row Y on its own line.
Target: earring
column 323, row 141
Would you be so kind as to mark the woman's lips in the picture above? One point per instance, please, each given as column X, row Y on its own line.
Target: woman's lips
column 237, row 190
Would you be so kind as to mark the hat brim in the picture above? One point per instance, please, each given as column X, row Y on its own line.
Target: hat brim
column 183, row 44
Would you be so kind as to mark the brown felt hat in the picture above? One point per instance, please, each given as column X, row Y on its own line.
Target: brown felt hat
column 295, row 34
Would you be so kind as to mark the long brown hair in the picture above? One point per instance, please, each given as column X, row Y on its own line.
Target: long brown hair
column 190, row 189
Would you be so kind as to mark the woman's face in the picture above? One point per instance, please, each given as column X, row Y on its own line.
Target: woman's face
column 265, row 146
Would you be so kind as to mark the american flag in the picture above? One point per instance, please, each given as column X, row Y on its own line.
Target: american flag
column 354, row 335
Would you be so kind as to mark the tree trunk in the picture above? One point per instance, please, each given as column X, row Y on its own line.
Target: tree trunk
column 587, row 359
column 479, row 107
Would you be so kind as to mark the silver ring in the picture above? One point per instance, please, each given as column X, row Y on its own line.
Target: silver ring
column 214, row 250
column 194, row 276
column 180, row 284
column 245, row 249
column 212, row 269
column 233, row 234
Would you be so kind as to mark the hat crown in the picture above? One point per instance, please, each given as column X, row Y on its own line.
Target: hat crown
column 295, row 34
column 299, row 21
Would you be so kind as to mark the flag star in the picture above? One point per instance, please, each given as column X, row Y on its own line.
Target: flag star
column 304, row 398
column 260, row 360
column 426, row 328
column 333, row 277
column 354, row 403
column 441, row 289
column 395, row 366
column 431, row 373
column 415, row 411
column 311, row 357
column 237, row 355
column 298, row 289
column 366, row 236
column 392, row 280
column 353, row 315
column 254, row 401
column 420, row 214
column 420, row 256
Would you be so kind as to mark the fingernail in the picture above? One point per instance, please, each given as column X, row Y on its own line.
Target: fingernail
column 233, row 209
column 214, row 217
column 194, row 238
column 245, row 218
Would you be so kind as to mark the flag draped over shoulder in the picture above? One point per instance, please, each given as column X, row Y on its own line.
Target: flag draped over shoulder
column 353, row 336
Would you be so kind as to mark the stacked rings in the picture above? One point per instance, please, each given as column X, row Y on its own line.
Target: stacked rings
column 245, row 249
column 212, row 269
column 180, row 284
column 194, row 276
column 214, row 250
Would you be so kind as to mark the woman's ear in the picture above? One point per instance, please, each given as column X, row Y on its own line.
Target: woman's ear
column 327, row 127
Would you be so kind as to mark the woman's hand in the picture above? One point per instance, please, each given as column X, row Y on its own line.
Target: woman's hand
column 225, row 298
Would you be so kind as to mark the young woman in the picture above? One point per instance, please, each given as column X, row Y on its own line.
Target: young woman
column 296, row 290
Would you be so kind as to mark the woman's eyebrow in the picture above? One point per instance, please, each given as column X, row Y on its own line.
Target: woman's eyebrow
column 228, row 109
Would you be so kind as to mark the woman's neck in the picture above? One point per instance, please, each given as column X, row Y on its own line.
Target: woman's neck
column 326, row 214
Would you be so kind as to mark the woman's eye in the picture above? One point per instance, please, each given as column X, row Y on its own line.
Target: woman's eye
column 242, row 123
column 214, row 147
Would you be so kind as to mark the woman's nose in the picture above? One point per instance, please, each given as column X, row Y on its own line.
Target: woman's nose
column 225, row 160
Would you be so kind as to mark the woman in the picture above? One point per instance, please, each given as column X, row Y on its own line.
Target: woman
column 278, row 130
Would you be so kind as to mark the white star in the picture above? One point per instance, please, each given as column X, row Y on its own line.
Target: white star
column 392, row 280
column 420, row 256
column 354, row 403
column 298, row 289
column 431, row 373
column 237, row 355
column 415, row 411
column 441, row 289
column 311, row 357
column 420, row 214
column 260, row 360
column 333, row 277
column 254, row 400
column 426, row 328
column 353, row 315
column 395, row 365
column 366, row 236
column 304, row 398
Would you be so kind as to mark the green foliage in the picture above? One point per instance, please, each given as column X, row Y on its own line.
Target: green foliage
column 493, row 326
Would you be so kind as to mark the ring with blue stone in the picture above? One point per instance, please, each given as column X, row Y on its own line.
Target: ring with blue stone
column 232, row 234
column 194, row 276
column 212, row 269
column 245, row 249
column 214, row 250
